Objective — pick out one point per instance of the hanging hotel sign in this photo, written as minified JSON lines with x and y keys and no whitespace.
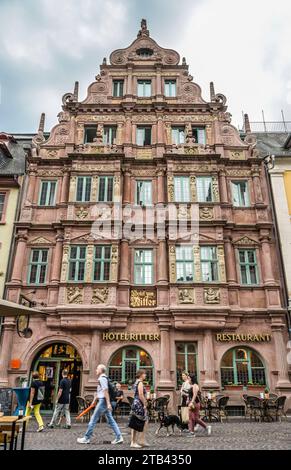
{"x":244,"y":337}
{"x":130,"y":336}
{"x":143,"y":298}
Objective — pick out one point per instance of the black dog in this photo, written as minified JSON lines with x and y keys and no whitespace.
{"x":168,"y":420}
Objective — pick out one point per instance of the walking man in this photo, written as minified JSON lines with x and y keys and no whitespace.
{"x":103,"y":408}
{"x":63,"y":402}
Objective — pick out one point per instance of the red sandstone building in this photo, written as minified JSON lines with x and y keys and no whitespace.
{"x":144,"y":136}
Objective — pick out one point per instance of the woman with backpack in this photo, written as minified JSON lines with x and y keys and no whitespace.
{"x":194,"y":407}
{"x":36,"y":398}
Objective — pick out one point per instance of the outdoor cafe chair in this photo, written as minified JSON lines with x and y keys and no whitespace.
{"x":279,"y":408}
{"x":255,"y":408}
{"x":82,"y":405}
{"x":221,"y":408}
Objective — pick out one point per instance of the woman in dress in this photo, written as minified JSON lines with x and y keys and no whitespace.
{"x":185,"y":389}
{"x":194,"y":407}
{"x":139,"y":409}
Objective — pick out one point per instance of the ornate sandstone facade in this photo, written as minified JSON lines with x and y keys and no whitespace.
{"x":145,"y":136}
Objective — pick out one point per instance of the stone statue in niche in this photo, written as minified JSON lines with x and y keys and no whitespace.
{"x":100,"y":296}
{"x":212,"y":295}
{"x":186,"y":296}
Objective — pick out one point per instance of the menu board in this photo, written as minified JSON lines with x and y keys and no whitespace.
{"x":6,"y":400}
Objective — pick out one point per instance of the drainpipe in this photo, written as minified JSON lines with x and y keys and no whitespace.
{"x":269,"y":161}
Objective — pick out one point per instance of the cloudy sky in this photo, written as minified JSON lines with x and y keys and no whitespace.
{"x":45,"y":45}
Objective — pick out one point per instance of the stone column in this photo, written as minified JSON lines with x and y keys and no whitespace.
{"x":281,"y":357}
{"x":162,"y":262}
{"x":257,"y":186}
{"x":124,"y":262}
{"x":57,"y":260}
{"x":65,"y":187}
{"x":230,"y":261}
{"x":209,"y":366}
{"x":223,"y":187}
{"x":160,"y":139}
{"x":165,"y":354}
{"x":129,"y":81}
{"x":158,"y":82}
{"x":128,"y":136}
{"x":94,"y":355}
{"x":31,"y":187}
{"x":19,"y":258}
{"x":126,"y":186}
{"x":267,"y":269}
{"x":161,"y":187}
{"x":5,"y":351}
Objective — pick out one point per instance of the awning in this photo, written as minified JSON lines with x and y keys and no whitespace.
{"x":11,"y":309}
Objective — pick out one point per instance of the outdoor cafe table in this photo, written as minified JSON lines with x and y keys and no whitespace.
{"x":13,"y":420}
{"x":266,"y":402}
{"x":208,"y":406}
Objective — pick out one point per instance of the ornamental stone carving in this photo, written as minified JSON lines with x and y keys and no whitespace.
{"x":114,"y":264}
{"x":245,"y":241}
{"x":172,"y":263}
{"x":100,"y":295}
{"x":75,"y":295}
{"x":193,"y":190}
{"x":211,"y":295}
{"x":206,"y":213}
{"x":82,"y":213}
{"x":171,"y":190}
{"x":186,"y":296}
{"x":197,"y":263}
{"x":221,"y":263}
{"x":65,"y":263}
{"x":215,"y":189}
{"x":89,"y":263}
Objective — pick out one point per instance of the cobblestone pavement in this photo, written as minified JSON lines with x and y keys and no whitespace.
{"x":234,"y":434}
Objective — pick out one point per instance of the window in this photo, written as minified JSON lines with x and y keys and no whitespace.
{"x":199,"y":135}
{"x":143,"y":267}
{"x":248,"y":266}
{"x":184,"y":264}
{"x":47,"y":193}
{"x":77,"y":263}
{"x":102,"y":263}
{"x":182,"y":189}
{"x":240,"y":195}
{"x":109,"y":135}
{"x":170,"y":88}
{"x":144,"y":88}
{"x":145,"y":52}
{"x":38,"y":266}
{"x":2,"y":204}
{"x":186,"y":360}
{"x":83,"y":189}
{"x":105,"y":193}
{"x":144,"y":193}
{"x":242,"y":366}
{"x":178,"y":135}
{"x":143,"y":135}
{"x":118,"y":88}
{"x":90,"y":134}
{"x":125,"y":363}
{"x":204,"y":188}
{"x":209,"y":268}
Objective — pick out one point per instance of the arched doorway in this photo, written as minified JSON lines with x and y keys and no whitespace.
{"x":242,"y":366}
{"x":126,"y":361}
{"x":50,"y":362}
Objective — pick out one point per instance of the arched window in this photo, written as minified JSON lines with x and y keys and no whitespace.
{"x":126,"y":361}
{"x":242,"y":366}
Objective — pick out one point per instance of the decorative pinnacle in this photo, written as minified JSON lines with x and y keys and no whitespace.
{"x":41,"y":123}
{"x":212,"y":92}
{"x":247,"y":125}
{"x":76,"y":91}
{"x":143,"y":29}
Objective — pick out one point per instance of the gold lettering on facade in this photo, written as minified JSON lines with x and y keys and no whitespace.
{"x":142,"y":298}
{"x":243,"y":337}
{"x":131,"y":337}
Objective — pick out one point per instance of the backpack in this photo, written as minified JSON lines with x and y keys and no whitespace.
{"x":111,"y":390}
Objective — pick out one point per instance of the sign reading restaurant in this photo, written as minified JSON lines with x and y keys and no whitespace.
{"x":130,"y":337}
{"x":244,"y":337}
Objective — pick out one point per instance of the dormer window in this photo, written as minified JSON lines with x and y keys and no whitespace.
{"x":145,"y":52}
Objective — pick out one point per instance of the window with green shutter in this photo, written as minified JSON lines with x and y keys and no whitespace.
{"x":248,"y":266}
{"x":182,"y":189}
{"x":204,"y":189}
{"x":77,"y":263}
{"x":102,"y":259}
{"x":47,"y":193}
{"x":143,"y":266}
{"x":209,"y":263}
{"x":199,"y":135}
{"x":186,"y":360}
{"x":105,"y":192}
{"x":83,"y":188}
{"x":38,"y":266}
{"x":184,"y":263}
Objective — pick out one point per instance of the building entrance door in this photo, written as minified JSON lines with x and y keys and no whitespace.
{"x":50,"y":363}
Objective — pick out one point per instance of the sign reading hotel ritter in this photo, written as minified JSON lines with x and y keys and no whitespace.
{"x":244,"y":337}
{"x":143,"y":298}
{"x":130,"y":336}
